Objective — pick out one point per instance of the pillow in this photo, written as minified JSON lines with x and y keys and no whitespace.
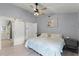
{"x":49,"y":35}
{"x":44,"y":35}
{"x":56,"y":36}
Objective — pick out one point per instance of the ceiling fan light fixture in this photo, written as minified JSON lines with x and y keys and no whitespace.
{"x":34,"y":9}
{"x":36,"y":14}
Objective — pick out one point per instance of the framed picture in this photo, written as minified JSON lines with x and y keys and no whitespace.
{"x":3,"y":27}
{"x":52,"y":23}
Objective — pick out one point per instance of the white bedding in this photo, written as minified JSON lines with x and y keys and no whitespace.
{"x":46,"y":46}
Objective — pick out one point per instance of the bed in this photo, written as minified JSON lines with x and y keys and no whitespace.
{"x":46,"y":45}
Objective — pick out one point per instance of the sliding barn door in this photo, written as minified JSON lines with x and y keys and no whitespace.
{"x":18,"y":30}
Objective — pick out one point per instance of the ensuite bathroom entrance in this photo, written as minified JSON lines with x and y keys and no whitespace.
{"x":6,"y":34}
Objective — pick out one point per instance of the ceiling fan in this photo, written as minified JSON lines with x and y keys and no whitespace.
{"x":38,"y":9}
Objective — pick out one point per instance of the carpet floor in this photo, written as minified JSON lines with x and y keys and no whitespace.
{"x":22,"y":51}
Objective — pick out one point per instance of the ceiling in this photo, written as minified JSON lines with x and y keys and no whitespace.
{"x":52,"y":7}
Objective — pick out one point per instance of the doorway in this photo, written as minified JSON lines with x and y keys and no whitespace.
{"x":6,"y":35}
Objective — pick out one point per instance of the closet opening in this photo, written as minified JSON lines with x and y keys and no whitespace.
{"x":6,"y":35}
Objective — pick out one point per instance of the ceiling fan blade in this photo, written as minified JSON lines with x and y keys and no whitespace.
{"x":37,"y":7}
{"x":43,"y":8}
{"x":41,"y":12}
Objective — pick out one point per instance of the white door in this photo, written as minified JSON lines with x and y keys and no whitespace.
{"x":31,"y":30}
{"x":18,"y":32}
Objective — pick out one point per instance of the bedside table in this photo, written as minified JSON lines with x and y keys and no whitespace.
{"x":71,"y":44}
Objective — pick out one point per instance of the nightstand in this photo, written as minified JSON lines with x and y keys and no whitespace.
{"x":71,"y":44}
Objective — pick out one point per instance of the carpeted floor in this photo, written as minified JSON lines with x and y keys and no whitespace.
{"x":22,"y":51}
{"x":6,"y":43}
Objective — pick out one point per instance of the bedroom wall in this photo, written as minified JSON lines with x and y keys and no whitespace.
{"x":12,"y":10}
{"x":67,"y":24}
{"x":78,"y":26}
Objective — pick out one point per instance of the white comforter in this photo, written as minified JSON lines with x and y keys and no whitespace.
{"x":46,"y":46}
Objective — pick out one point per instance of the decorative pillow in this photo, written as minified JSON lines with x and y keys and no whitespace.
{"x":49,"y":35}
{"x":56,"y":36}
